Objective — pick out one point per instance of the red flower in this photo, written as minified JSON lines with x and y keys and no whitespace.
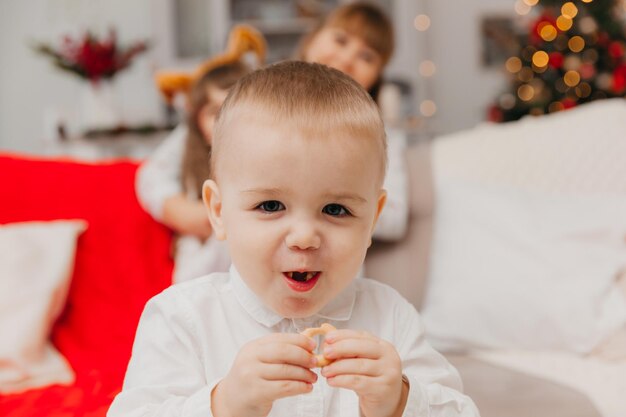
{"x":92,"y":58}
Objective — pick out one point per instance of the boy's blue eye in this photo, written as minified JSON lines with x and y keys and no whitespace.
{"x":271,"y":206}
{"x":335,"y":210}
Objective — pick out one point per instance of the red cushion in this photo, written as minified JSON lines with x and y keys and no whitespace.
{"x":122,"y":260}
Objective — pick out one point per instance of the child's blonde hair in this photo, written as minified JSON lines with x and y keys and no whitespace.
{"x":311,"y":99}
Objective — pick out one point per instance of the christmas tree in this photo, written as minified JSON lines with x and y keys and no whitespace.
{"x":573,"y":53}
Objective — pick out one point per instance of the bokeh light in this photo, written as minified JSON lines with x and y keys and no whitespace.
{"x":560,"y":86}
{"x":569,"y":9}
{"x":513,"y":64}
{"x":548,"y":32}
{"x":587,"y":25}
{"x":540,"y":59}
{"x":555,"y":106}
{"x":428,"y":108}
{"x":507,"y":101}
{"x":576,"y":44}
{"x":572,"y":62}
{"x":525,"y":92}
{"x":571,"y":78}
{"x":522,"y":8}
{"x":525,"y":74}
{"x":564,"y":23}
{"x":583,"y":90}
{"x":422,"y":22}
{"x":427,"y":68}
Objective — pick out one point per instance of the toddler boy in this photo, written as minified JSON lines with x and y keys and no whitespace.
{"x":298,"y":163}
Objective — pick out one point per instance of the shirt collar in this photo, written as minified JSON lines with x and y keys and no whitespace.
{"x":338,"y":309}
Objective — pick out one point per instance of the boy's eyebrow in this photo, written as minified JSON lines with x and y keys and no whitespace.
{"x":346,"y":196}
{"x":270,"y":191}
{"x":330,"y":196}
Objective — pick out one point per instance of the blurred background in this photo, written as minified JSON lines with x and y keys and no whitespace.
{"x":448,"y":72}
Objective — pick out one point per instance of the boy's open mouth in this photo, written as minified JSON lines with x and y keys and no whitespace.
{"x":301,"y":276}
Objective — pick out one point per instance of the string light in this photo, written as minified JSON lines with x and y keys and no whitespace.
{"x":525,"y":74}
{"x":583,"y":90}
{"x":525,"y":92}
{"x":555,"y":106}
{"x":422,"y":22}
{"x":522,"y":8}
{"x":427,"y":68}
{"x":548,"y":32}
{"x":531,"y":2}
{"x":564,"y":23}
{"x":569,"y":9}
{"x":576,"y":44}
{"x":513,"y":64}
{"x":571,"y":78}
{"x":540,"y":59}
{"x":428,"y":108}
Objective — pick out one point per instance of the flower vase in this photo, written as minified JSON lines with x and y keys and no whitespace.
{"x":98,"y":107}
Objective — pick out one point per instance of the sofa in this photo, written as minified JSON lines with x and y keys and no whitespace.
{"x":123,"y":258}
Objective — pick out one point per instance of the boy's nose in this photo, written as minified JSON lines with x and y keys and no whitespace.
{"x":303,"y":236}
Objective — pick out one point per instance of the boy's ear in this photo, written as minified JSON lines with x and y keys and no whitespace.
{"x":382,"y":199}
{"x":213,"y":202}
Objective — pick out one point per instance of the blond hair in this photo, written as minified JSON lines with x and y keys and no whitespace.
{"x":311,"y":99}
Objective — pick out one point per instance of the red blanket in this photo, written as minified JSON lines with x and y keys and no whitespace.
{"x":122,"y":260}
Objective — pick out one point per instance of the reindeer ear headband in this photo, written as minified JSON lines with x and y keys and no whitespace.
{"x":242,"y":39}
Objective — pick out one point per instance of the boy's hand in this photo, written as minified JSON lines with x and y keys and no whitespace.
{"x":266,"y":369}
{"x":369,"y":366}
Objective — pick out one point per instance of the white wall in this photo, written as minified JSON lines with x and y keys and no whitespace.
{"x":30,"y":87}
{"x":462,"y":88}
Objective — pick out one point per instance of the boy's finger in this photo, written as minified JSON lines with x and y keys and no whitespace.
{"x":284,"y":353}
{"x":353,"y":366}
{"x":283,"y":371}
{"x":289,"y":338}
{"x":357,"y":383}
{"x":353,"y":348}
{"x":282,"y":389}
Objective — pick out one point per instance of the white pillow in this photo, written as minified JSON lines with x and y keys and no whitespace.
{"x":36,"y":264}
{"x":515,"y":268}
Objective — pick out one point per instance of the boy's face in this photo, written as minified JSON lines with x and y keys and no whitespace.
{"x":298,"y":213}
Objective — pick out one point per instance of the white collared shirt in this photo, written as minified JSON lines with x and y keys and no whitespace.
{"x":190,"y":334}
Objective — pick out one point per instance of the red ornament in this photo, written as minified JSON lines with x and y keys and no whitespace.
{"x":494,"y":114}
{"x":619,"y":79}
{"x":616,"y":49}
{"x":568,"y":103}
{"x":587,"y":71}
{"x":535,"y":33}
{"x":556,"y":60}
